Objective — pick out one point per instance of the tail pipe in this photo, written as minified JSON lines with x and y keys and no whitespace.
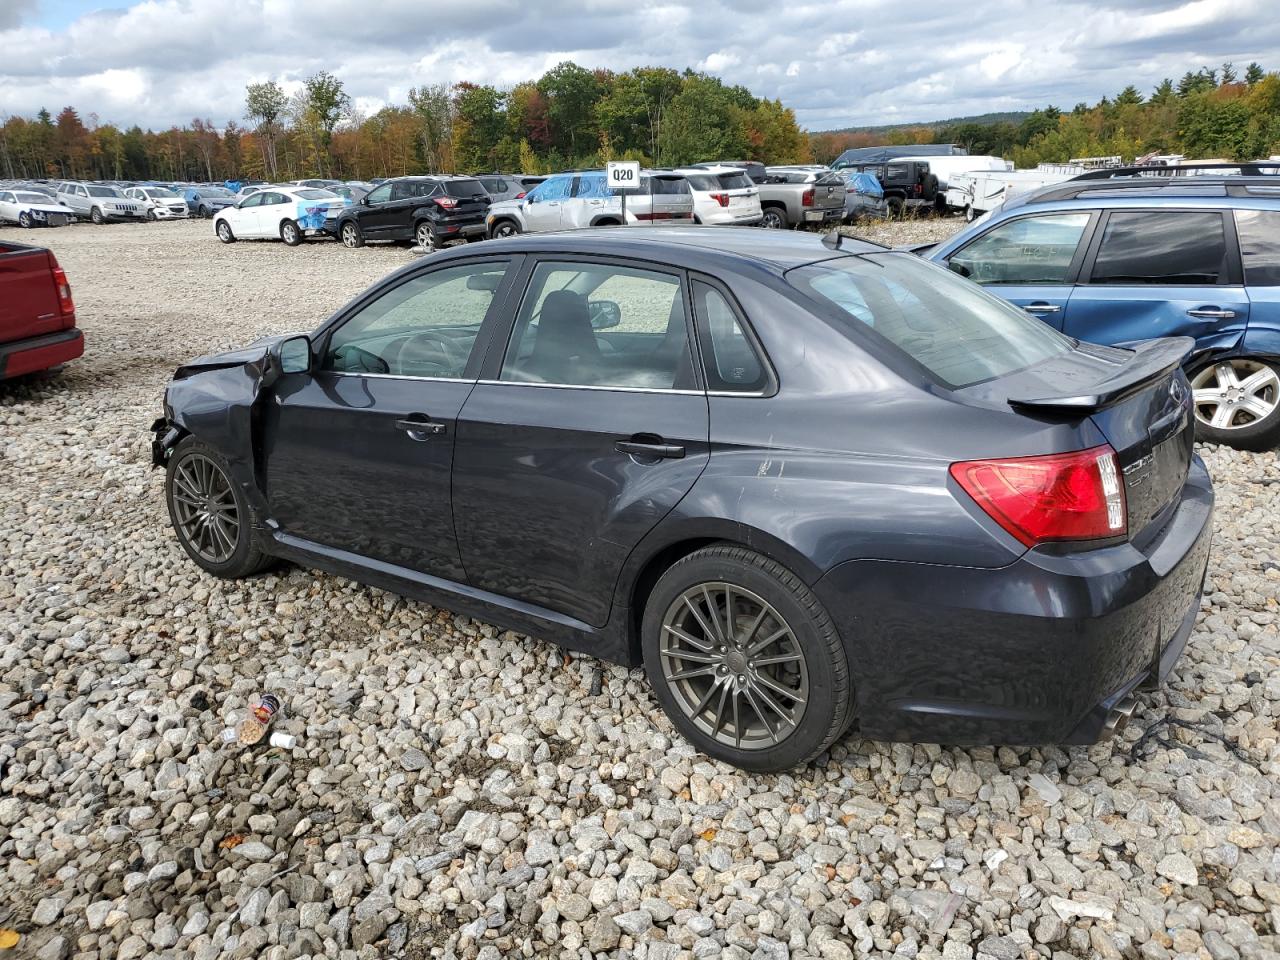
{"x":1118,"y":718}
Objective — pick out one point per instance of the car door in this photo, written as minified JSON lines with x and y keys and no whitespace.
{"x":1032,"y":260}
{"x":580,"y":436}
{"x":359,"y":452}
{"x":543,"y":205}
{"x":246,"y":218}
{"x":1161,"y":273}
{"x":8,"y":208}
{"x":398,"y":213}
{"x":1259,"y":234}
{"x":368,"y":213}
{"x":590,"y":198}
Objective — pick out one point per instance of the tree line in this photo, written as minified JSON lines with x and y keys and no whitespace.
{"x":1207,"y":114}
{"x":570,"y":117}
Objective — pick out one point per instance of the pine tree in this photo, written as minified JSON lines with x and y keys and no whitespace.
{"x":1253,"y":73}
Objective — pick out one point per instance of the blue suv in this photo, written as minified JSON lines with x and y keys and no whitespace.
{"x":1135,"y":257}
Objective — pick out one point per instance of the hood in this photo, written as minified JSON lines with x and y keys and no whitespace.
{"x":255,"y":352}
{"x":48,"y":207}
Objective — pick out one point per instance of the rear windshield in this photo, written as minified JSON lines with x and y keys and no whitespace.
{"x":668,"y":185}
{"x":493,"y":184}
{"x":959,"y":333}
{"x":104,"y":192}
{"x":787,"y":176}
{"x":314,"y":193}
{"x":719,"y":181}
{"x":464,"y":189}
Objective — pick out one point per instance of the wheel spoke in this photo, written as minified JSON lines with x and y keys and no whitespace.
{"x":1257,"y":406}
{"x":777,"y":658}
{"x":769,"y":701}
{"x":706,"y":698}
{"x":791,"y":695}
{"x":751,"y":699}
{"x":719,"y":720}
{"x":693,"y":656}
{"x":1227,"y":375}
{"x":1207,"y":395}
{"x":692,"y":672}
{"x":1259,"y":379}
{"x":1222,"y":417}
{"x":687,"y":638}
{"x":761,"y":644}
{"x":737,"y":723}
{"x":711,"y":612}
{"x":707,"y":632}
{"x":728,"y":612}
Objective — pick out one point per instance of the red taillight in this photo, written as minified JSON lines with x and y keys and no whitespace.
{"x":65,"y":304}
{"x":521,"y":194}
{"x":721,"y":198}
{"x":806,"y":198}
{"x":447,"y":202}
{"x":1063,"y":496}
{"x":917,"y":189}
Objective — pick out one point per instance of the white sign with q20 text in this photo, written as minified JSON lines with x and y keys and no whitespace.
{"x":622,"y":174}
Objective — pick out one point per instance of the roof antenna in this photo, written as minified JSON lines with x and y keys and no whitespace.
{"x":831,"y":240}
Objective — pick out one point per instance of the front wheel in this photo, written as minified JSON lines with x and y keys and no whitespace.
{"x":1237,"y":403}
{"x":224,"y":232}
{"x":96,"y":215}
{"x":290,"y":233}
{"x":425,"y":237}
{"x":505,"y":229}
{"x":151,"y":215}
{"x":25,"y":221}
{"x":773,"y":219}
{"x":351,"y":235}
{"x":745,"y":661}
{"x":209,"y":512}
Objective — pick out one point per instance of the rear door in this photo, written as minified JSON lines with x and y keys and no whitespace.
{"x":1259,"y":235}
{"x":1161,"y":273}
{"x":358,"y":453}
{"x":543,"y":204}
{"x":580,"y":437}
{"x":1031,"y":261}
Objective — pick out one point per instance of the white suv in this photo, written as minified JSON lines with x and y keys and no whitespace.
{"x":100,"y":202}
{"x":160,"y":203}
{"x":723,"y":195}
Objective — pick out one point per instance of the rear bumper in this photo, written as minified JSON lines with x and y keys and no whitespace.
{"x":40,"y":353}
{"x":448,"y":229}
{"x":823,"y":215}
{"x":1038,"y":651}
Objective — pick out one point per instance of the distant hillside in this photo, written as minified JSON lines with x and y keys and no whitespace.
{"x":982,"y":119}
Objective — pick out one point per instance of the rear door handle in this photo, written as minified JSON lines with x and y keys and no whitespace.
{"x":1042,"y":308}
{"x":640,"y":448}
{"x":422,"y":428}
{"x":1212,"y":313}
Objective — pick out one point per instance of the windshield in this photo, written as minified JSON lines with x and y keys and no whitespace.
{"x":956,"y":331}
{"x":215,"y":192}
{"x":104,"y":192}
{"x":32,"y":198}
{"x":162,"y":192}
{"x":315,"y":193}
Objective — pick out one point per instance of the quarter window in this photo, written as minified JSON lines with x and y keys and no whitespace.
{"x":1026,"y":250}
{"x":599,"y":325}
{"x":1172,"y":247}
{"x":728,"y":356}
{"x":1259,"y":232}
{"x":425,"y":327}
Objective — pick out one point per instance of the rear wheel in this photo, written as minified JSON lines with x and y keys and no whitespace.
{"x":209,"y":512}
{"x":425,"y":237}
{"x":970,"y":214}
{"x":745,"y":661}
{"x":290,"y":233}
{"x":224,"y":232}
{"x":1237,"y":403}
{"x":773,"y":219}
{"x":206,"y":212}
{"x":896,"y":208}
{"x":352,"y":237}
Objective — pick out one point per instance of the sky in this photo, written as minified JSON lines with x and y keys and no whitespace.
{"x":836,"y":62}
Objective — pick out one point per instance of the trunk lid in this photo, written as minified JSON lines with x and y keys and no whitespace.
{"x":470,"y":197}
{"x":1141,"y":402}
{"x":28,"y":295}
{"x":828,"y":192}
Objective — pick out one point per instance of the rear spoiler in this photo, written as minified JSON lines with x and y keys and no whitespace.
{"x":1151,"y":360}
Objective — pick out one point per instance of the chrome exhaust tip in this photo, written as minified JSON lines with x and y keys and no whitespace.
{"x":1118,"y":717}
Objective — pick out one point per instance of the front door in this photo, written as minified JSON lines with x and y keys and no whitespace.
{"x":1030,"y":261}
{"x":580,"y":438}
{"x":1162,"y":273}
{"x":359,"y":452}
{"x":374,"y":213}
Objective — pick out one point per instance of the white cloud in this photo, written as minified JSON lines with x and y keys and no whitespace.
{"x":838,"y":62}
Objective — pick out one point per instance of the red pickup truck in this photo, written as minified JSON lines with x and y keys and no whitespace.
{"x":37,"y":315}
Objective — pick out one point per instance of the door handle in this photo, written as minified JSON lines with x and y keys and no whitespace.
{"x":421,"y":429}
{"x":1042,"y":308}
{"x":1212,"y":313}
{"x":642,"y":448}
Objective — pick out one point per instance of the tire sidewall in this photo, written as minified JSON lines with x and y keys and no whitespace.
{"x":824,"y":701}
{"x":1258,"y":436}
{"x":773,"y":219}
{"x":25,"y":221}
{"x":222,"y":227}
{"x":357,"y":238}
{"x":285,"y":233}
{"x":425,"y":237}
{"x":245,"y":557}
{"x":95,"y":215}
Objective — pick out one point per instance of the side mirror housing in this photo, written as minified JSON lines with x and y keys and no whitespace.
{"x":605,"y":314}
{"x":293,"y":355}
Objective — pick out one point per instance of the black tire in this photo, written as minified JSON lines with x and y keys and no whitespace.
{"x":774,"y":218}
{"x":504,"y":228}
{"x":425,"y":237}
{"x":25,"y":221}
{"x":897,"y":208}
{"x":224,"y":232}
{"x":828,"y":702}
{"x":1259,"y":435}
{"x":970,"y":214}
{"x":151,"y":214}
{"x":245,"y":559}
{"x":351,"y":235}
{"x":291,"y":233}
{"x":96,"y":216}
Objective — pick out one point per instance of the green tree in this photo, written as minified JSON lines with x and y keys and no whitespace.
{"x":478,"y":124}
{"x":704,"y":123}
{"x":1129,"y":96}
{"x":1164,"y":92}
{"x":571,"y":93}
{"x":1253,"y":73}
{"x":1227,"y":73}
{"x":433,"y":106}
{"x":265,"y":104}
{"x":327,"y":102}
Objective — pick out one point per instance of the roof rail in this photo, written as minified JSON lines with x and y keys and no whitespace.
{"x":1246,"y":168}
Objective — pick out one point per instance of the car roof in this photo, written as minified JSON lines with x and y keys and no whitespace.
{"x":703,"y":248}
{"x":1164,"y":188}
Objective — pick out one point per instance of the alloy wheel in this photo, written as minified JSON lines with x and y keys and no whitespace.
{"x":350,"y":238}
{"x":426,"y":239}
{"x":224,"y":232}
{"x":734,"y":665}
{"x":24,"y":219}
{"x":505,"y":229}
{"x":773,"y":220}
{"x":204,"y":508}
{"x":1235,"y":393}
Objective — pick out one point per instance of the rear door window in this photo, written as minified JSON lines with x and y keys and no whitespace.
{"x":1166,"y":247}
{"x":1259,"y":232}
{"x":1023,"y":251}
{"x":591,"y":188}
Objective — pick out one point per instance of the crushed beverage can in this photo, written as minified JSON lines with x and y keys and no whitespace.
{"x":265,"y":709}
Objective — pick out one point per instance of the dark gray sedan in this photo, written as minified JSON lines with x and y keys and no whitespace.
{"x":807,"y":484}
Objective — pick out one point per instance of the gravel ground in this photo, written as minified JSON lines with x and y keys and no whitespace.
{"x":457,"y":790}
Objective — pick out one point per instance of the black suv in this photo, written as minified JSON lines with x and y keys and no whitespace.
{"x":906,"y":183}
{"x":428,"y":210}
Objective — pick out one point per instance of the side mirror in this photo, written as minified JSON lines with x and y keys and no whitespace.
{"x":530,"y":198}
{"x":488,"y":282}
{"x":364,"y":201}
{"x":293,"y":355}
{"x":604,"y":314}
